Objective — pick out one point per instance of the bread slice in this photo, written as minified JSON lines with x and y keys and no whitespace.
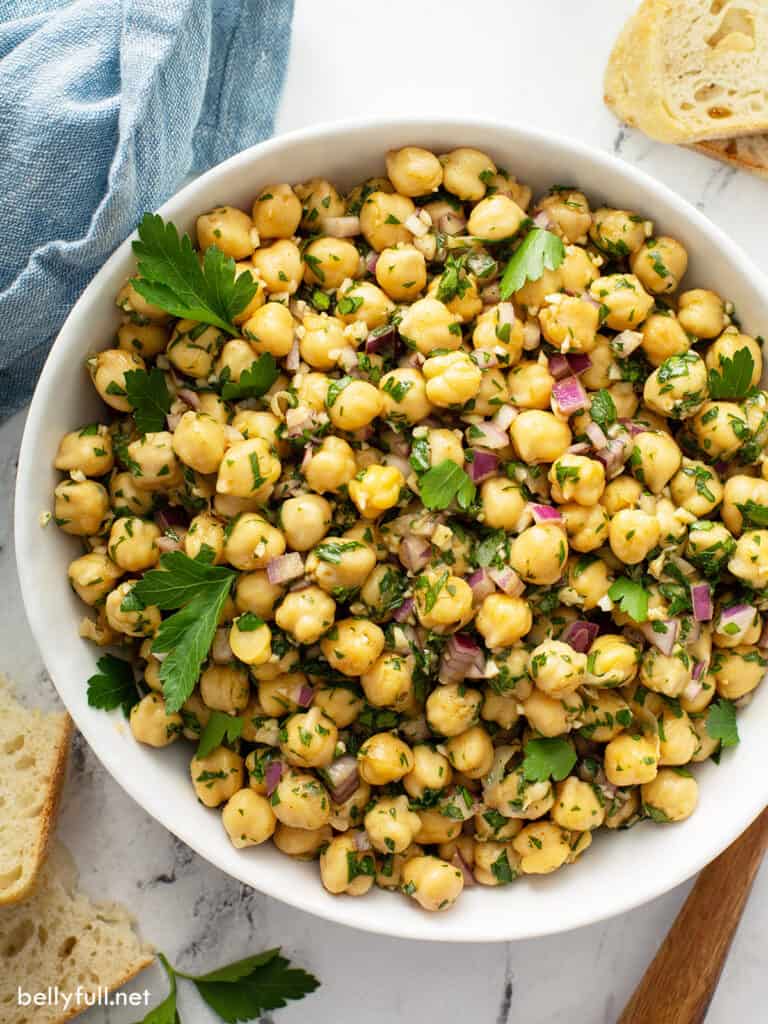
{"x":33,"y":757}
{"x":692,"y":70}
{"x":746,"y":152}
{"x":59,"y":938}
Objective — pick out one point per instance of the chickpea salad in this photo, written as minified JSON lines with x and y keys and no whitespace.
{"x":434,"y":517}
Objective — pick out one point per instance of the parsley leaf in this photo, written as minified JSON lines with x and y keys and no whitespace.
{"x":149,"y":398}
{"x":444,"y":482}
{"x":721,"y":723}
{"x":632,"y":596}
{"x":268,"y":986}
{"x":420,"y":454}
{"x":220,"y":727}
{"x":113,"y":685}
{"x":734,"y":379}
{"x":539,"y":250}
{"x":502,"y":871}
{"x":166,"y":1012}
{"x":332,"y":550}
{"x":255,"y":381}
{"x":753,"y":513}
{"x":548,"y":757}
{"x":171,"y":277}
{"x":199,"y":590}
{"x":603,"y":408}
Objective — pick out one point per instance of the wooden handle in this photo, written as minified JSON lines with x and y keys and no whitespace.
{"x":678,"y":986}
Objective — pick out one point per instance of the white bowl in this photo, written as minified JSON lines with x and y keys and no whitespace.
{"x":621,"y":870}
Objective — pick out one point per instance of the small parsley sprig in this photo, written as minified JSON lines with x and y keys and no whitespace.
{"x":240,"y":991}
{"x":198,"y":590}
{"x":442,"y":483}
{"x":149,"y":397}
{"x":548,"y":758}
{"x":220,"y":727}
{"x":172,"y":277}
{"x":539,"y":250}
{"x":113,"y":685}
{"x":631,"y":596}
{"x":721,"y":722}
{"x":734,"y":378}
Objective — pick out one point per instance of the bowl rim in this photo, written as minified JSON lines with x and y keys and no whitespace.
{"x":26,"y":527}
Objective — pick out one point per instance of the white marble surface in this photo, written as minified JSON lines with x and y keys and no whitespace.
{"x":536,"y":63}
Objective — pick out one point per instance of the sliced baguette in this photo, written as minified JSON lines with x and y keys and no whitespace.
{"x":59,"y":938}
{"x":692,"y":70}
{"x":747,"y":152}
{"x":33,"y":758}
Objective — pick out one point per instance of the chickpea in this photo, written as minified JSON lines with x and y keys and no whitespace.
{"x":330,"y":261}
{"x":569,"y":214}
{"x":310,"y":739}
{"x":92,"y":576}
{"x":278,"y":694}
{"x":331,"y":466}
{"x":577,"y":478}
{"x":445,"y":445}
{"x":301,"y":801}
{"x":452,"y":379}
{"x":279,"y":266}
{"x":539,"y":436}
{"x":132,"y":622}
{"x":81,"y":508}
{"x":604,"y":715}
{"x":617,"y":232}
{"x":632,"y":534}
{"x":205,"y":531}
{"x":320,"y":199}
{"x":248,"y":819}
{"x":390,"y":825}
{"x":414,"y":171}
{"x":108,"y":369}
{"x":530,"y":387}
{"x":382,"y":220}
{"x":305,"y":520}
{"x":247,"y":468}
{"x":727,"y":345}
{"x":621,"y":492}
{"x":133,"y":544}
{"x":631,"y":760}
{"x":532,"y":296}
{"x":612,"y":661}
{"x":663,"y":336}
{"x":388,"y":682}
{"x":738,"y":490}
{"x":542,"y":848}
{"x":199,"y":442}
{"x":539,"y":553}
{"x":270,"y":329}
{"x":577,"y":272}
{"x":696,"y":488}
{"x":443,"y":602}
{"x":225,"y":688}
{"x":586,"y":527}
{"x":433,"y":883}
{"x":276,"y":212}
{"x":654,"y":459}
{"x":356,"y":405}
{"x":301,"y":843}
{"x":660,"y":264}
{"x":503,"y":503}
{"x":495,"y":218}
{"x":401,"y":272}
{"x":376,"y":489}
{"x":431,"y":772}
{"x":701,"y":313}
{"x":670,"y":796}
{"x":496,"y":863}
{"x":88,"y":451}
{"x":147,"y":340}
{"x":217,"y":777}
{"x":464,"y":171}
{"x":384,"y":758}
{"x":738,"y":671}
{"x":666,"y":673}
{"x":322,"y":342}
{"x":136,"y":306}
{"x":251,"y":639}
{"x":504,"y":338}
{"x":471,"y":752}
{"x":453,"y":709}
{"x":352,"y":646}
{"x":556,"y":668}
{"x":570,"y":324}
{"x":728,"y":633}
{"x":678,"y":387}
{"x":546,"y":715}
{"x":345,"y":870}
{"x":229,"y":229}
{"x":340,"y":564}
{"x":428,"y":324}
{"x":152,"y":724}
{"x":720,"y":428}
{"x":625,"y":299}
{"x":306,"y":614}
{"x":749,"y":561}
{"x":502,"y":620}
{"x":576,"y":806}
{"x":678,"y":739}
{"x":404,"y":396}
{"x":340,"y":704}
{"x":501,"y":708}
{"x":252,"y":542}
{"x":154,"y":465}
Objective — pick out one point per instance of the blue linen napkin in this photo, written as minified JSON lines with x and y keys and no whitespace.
{"x":105,"y":106}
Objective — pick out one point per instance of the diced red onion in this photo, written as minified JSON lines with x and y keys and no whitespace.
{"x":558,"y":366}
{"x":301,"y":584}
{"x":545,"y":513}
{"x":458,"y":862}
{"x":596,"y":435}
{"x":371,"y":260}
{"x":381,"y":338}
{"x":612,"y":457}
{"x":488,"y":435}
{"x":484,"y":358}
{"x":506,"y":313}
{"x":459,"y":653}
{"x":482,"y":585}
{"x":531,"y":335}
{"x":698,"y":669}
{"x":579,"y":448}
{"x":307,"y":457}
{"x":362,"y":841}
{"x":401,"y":614}
{"x":579,"y":362}
{"x":293,"y":358}
{"x":306,"y":696}
{"x":626,"y":342}
{"x":694,"y":631}
{"x":272,"y":775}
{"x":451,"y":224}
{"x":506,"y":579}
{"x":414,"y":552}
{"x":692,"y":690}
{"x":586,"y":297}
{"x":701,"y":600}
{"x":399,"y":462}
{"x":632,"y":427}
{"x":342,"y":778}
{"x":580,"y":635}
{"x":664,"y":641}
{"x":569,"y":396}
{"x":221,"y":652}
{"x":341,"y":227}
{"x":543,"y":220}
{"x":298,"y":420}
{"x":739,"y":619}
{"x":505,"y":416}
{"x":167,"y":543}
{"x":483,"y":465}
{"x":189,"y":397}
{"x":285,"y":568}
{"x":170,"y":517}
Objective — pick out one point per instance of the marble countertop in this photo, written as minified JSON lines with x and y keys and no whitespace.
{"x":534,"y":63}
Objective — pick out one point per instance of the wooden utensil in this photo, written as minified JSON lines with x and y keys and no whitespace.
{"x":678,"y":986}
